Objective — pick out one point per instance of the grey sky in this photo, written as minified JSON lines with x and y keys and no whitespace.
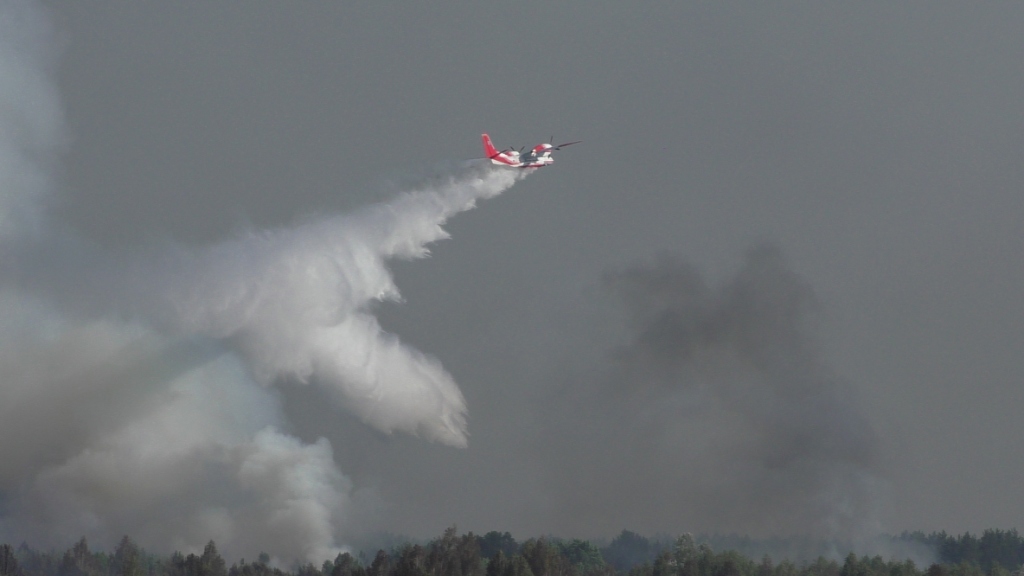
{"x":878,"y":146}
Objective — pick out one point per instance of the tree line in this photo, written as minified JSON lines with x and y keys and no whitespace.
{"x":994,"y":553}
{"x":993,"y":549}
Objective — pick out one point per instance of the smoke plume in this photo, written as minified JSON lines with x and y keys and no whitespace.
{"x":719,"y":411}
{"x":137,"y":392}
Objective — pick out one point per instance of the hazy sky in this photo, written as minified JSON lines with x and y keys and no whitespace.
{"x":777,"y":288}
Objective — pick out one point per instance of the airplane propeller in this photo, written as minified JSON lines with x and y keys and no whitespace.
{"x":559,"y":146}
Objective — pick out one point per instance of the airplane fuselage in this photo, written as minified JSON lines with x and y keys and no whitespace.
{"x":538,"y":156}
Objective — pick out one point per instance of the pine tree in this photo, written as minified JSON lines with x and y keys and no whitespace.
{"x":8,"y":563}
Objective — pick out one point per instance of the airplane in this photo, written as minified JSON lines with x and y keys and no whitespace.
{"x":538,"y":156}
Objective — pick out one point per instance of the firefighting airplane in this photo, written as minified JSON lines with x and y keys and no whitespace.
{"x":538,"y":156}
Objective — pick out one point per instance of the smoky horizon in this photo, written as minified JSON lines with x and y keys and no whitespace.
{"x":258,"y":284}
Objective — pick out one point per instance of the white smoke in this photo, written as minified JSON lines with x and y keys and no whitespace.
{"x":136,"y":395}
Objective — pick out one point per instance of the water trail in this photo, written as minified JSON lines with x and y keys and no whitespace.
{"x":137,"y":392}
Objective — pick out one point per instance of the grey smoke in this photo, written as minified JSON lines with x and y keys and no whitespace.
{"x":720,"y":408}
{"x":31,"y":121}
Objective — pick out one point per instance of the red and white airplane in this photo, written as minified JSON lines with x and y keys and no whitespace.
{"x":538,"y":156}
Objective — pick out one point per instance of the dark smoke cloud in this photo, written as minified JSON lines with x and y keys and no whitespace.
{"x":719,"y":413}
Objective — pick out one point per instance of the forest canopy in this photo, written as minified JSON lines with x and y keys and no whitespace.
{"x":993,"y":553}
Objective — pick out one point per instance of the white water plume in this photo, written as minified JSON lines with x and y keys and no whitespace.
{"x":294,"y":302}
{"x":137,"y":394}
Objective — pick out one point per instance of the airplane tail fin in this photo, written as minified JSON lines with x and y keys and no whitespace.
{"x":489,"y":150}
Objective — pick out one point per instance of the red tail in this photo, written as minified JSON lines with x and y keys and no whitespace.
{"x":489,"y":150}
